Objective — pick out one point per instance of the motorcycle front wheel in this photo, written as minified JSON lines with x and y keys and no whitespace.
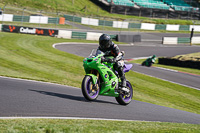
{"x":89,"y":91}
{"x":125,"y":99}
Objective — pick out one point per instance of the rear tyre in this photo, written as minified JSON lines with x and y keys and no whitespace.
{"x":143,"y":63}
{"x":88,"y":90}
{"x":125,"y":99}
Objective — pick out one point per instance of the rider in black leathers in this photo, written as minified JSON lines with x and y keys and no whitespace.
{"x":110,"y":49}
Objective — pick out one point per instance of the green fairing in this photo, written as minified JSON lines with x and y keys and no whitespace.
{"x":106,"y":72}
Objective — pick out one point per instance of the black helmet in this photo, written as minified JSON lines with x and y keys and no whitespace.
{"x":105,"y":41}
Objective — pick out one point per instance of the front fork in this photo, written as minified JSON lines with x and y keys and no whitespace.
{"x":95,"y":79}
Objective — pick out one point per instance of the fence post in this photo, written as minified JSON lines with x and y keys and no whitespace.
{"x":4,"y":9}
{"x":40,"y":17}
{"x":73,"y":23}
{"x":23,"y":16}
{"x":103,"y":23}
{"x":57,"y":19}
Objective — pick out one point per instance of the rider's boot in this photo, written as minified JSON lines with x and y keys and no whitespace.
{"x":123,"y":79}
{"x":123,"y":86}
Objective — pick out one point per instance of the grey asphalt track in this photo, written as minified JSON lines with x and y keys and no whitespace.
{"x":145,"y":51}
{"x":29,"y":98}
{"x":33,"y":99}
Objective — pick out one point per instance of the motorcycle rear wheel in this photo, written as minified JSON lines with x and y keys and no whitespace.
{"x":125,"y":99}
{"x":88,"y":91}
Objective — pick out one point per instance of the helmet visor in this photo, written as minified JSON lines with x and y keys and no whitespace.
{"x":105,"y":44}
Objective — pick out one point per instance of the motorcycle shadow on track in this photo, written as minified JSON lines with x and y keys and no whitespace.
{"x":70,"y":97}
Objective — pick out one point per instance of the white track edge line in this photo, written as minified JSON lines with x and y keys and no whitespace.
{"x":35,"y":81}
{"x":170,"y":81}
{"x":72,"y":118}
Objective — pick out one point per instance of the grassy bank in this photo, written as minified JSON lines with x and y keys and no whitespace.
{"x":192,"y":56}
{"x":33,"y":57}
{"x":92,"y":126}
{"x":80,"y":8}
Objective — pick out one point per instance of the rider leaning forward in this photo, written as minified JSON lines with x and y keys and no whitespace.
{"x":110,"y":49}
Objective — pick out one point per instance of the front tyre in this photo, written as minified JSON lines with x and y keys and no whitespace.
{"x":125,"y":99}
{"x":90,"y":92}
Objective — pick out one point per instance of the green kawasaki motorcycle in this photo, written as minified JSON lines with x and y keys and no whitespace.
{"x":102,"y":79}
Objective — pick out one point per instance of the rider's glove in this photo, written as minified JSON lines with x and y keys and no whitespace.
{"x":111,"y":60}
{"x":103,"y":59}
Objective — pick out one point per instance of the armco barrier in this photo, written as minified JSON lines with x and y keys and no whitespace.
{"x":93,"y":36}
{"x":79,"y":35}
{"x":6,"y":17}
{"x":184,"y":28}
{"x":120,"y":24}
{"x":147,"y":26}
{"x":97,"y":22}
{"x":90,"y":21}
{"x":196,"y":27}
{"x":170,"y":40}
{"x":172,"y":27}
{"x":185,"y":40}
{"x":53,"y":20}
{"x":123,"y":24}
{"x":38,"y":19}
{"x":160,"y":27}
{"x":195,"y":40}
{"x":176,"y":40}
{"x":134,"y":25}
{"x":106,"y":23}
{"x":21,"y":18}
{"x":64,"y":34}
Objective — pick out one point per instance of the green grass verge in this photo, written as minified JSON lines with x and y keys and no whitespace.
{"x":182,"y":69}
{"x":33,"y":57}
{"x":92,"y":126}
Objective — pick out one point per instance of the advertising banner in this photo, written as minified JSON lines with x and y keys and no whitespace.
{"x":29,"y":30}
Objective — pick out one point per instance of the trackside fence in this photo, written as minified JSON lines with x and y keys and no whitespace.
{"x":39,"y":17}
